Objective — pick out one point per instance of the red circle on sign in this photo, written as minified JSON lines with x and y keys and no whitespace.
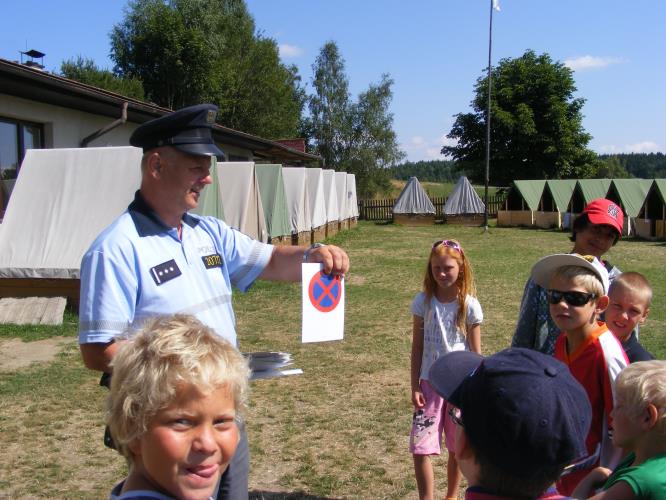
{"x":325,"y":291}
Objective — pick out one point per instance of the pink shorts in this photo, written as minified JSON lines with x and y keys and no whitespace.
{"x":429,"y":423}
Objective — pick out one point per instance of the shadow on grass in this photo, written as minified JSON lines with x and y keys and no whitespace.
{"x":297,"y":495}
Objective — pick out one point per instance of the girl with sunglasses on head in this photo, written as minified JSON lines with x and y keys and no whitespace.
{"x":594,"y":232}
{"x":446,"y":317}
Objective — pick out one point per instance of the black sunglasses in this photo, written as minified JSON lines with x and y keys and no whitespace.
{"x":575,"y":299}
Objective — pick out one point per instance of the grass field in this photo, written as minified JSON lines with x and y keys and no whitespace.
{"x":341,"y":429}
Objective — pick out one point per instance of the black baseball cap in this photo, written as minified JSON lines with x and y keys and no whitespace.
{"x":522,"y":409}
{"x":188,"y":130}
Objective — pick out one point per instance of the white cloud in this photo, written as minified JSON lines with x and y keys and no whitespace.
{"x":591,"y":62}
{"x":420,"y":148}
{"x":287,"y":50}
{"x":639,"y":147}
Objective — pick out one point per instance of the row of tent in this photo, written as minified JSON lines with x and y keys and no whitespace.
{"x":555,"y":203}
{"x":63,"y":198}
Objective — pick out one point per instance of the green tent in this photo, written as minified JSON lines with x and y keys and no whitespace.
{"x":655,"y":201}
{"x":271,"y":189}
{"x":557,"y":195}
{"x":528,"y":191}
{"x":587,"y":190}
{"x":210,"y":202}
{"x":629,"y":194}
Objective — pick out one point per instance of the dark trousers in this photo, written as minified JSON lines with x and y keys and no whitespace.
{"x":234,"y":481}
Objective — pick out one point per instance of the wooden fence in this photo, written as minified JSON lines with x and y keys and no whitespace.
{"x":383,"y":209}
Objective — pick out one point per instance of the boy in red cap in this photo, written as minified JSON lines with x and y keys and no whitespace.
{"x":594,"y":232}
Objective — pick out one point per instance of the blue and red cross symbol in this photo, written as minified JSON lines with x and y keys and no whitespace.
{"x":325,"y":291}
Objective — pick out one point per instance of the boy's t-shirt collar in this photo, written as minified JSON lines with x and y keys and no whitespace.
{"x":592,"y":337}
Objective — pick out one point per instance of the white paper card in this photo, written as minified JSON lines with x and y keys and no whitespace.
{"x":323,"y":305}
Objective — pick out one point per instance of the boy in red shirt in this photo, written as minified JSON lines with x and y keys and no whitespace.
{"x":577,"y":288}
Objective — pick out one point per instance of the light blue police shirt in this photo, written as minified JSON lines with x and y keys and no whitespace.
{"x":138,"y":268}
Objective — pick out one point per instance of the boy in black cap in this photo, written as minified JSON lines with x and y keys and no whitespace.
{"x":522,"y":421}
{"x":157,"y":259}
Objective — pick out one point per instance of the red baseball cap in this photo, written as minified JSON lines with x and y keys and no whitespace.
{"x":603,"y":211}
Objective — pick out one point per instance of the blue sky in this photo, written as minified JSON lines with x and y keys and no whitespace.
{"x":433,"y":50}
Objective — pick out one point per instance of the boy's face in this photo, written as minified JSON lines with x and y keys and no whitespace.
{"x":595,"y":239}
{"x":626,"y":309}
{"x":188,"y":445}
{"x":627,"y":426}
{"x":569,"y":317}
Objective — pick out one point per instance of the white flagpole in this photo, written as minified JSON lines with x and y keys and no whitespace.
{"x":493,"y":4}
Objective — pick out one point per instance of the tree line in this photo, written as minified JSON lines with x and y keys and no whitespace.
{"x":180,"y":52}
{"x":176,"y":53}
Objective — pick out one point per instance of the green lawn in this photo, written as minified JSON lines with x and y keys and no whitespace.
{"x":340,"y":429}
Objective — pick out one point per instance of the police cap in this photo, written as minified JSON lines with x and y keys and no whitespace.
{"x":188,"y":130}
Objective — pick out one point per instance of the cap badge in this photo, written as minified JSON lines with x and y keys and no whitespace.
{"x":210,"y":117}
{"x":613,"y":211}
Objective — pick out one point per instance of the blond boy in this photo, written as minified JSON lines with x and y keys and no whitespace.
{"x":629,"y":298}
{"x":177,"y":394}
{"x":639,"y":420}
{"x":576,"y":288}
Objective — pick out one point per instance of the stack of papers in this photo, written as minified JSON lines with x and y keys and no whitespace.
{"x":269,"y":364}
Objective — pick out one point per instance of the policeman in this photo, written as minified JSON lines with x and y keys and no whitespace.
{"x":156,"y":258}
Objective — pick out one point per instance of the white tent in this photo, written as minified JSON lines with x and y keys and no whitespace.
{"x":316,"y":198}
{"x":463,"y":200}
{"x":413,"y":200}
{"x":295,"y":188}
{"x":62,"y":199}
{"x":352,"y":202}
{"x":331,"y":196}
{"x":241,"y":200}
{"x":341,"y":188}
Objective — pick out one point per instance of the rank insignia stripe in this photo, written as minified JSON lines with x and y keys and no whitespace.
{"x":164,"y":272}
{"x":212,"y":261}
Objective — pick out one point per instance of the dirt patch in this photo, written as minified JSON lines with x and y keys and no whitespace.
{"x":16,"y":354}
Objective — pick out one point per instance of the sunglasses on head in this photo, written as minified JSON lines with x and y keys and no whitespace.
{"x":575,"y":299}
{"x":448,"y":243}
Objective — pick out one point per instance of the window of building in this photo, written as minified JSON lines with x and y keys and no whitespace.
{"x":15,"y":138}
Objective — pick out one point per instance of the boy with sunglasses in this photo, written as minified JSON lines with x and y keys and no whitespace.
{"x":576,"y":288}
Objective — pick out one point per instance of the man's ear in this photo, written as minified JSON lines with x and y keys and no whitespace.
{"x":154,"y":165}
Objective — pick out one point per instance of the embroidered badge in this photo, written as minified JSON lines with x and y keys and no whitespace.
{"x":613,"y":211}
{"x":210,"y":117}
{"x":211,"y":261}
{"x":164,"y":272}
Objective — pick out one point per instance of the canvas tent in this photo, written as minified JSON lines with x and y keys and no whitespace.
{"x":63,"y":198}
{"x":352,"y":202}
{"x":630,"y":195}
{"x":343,"y":209}
{"x":317,"y":200}
{"x":413,"y":206}
{"x":463,"y":206}
{"x":554,"y":203}
{"x":295,"y":188}
{"x":521,"y":203}
{"x":331,"y":200}
{"x":240,"y":196}
{"x":651,"y":220}
{"x":274,"y":200}
{"x":587,"y":190}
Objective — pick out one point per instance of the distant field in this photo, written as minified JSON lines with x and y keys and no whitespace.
{"x":437,"y":189}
